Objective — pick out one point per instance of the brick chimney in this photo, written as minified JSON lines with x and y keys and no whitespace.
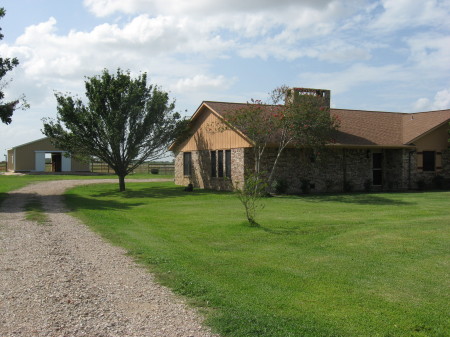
{"x":296,"y":94}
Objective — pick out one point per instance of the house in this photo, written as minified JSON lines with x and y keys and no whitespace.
{"x":31,"y":157}
{"x":373,"y":150}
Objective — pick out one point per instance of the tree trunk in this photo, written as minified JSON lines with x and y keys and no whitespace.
{"x":121,"y":183}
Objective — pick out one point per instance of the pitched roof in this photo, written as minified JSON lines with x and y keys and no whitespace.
{"x":32,"y":142}
{"x":358,"y":127}
{"x":416,"y":125}
{"x":367,"y":128}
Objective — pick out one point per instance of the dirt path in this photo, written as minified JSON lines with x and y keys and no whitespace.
{"x":61,"y":279}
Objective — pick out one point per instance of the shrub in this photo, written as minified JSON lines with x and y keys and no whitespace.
{"x":280,"y":186}
{"x":391,"y":184}
{"x":348,"y":186}
{"x":305,"y":186}
{"x":368,"y":185}
{"x":421,"y":185}
{"x":250,"y":195}
{"x":439,"y":182}
{"x":329,"y":185}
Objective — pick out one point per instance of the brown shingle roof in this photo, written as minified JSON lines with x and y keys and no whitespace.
{"x":358,"y":127}
{"x":419,"y":124}
{"x":368,"y":128}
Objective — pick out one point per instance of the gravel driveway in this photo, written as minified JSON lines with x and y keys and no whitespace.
{"x":61,"y":279}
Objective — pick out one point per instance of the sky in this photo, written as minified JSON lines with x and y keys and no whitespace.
{"x":382,"y":55}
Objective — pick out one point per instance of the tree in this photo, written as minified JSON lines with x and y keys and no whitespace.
{"x":303,"y":122}
{"x":124,"y":123}
{"x":7,"y":64}
{"x":250,"y":194}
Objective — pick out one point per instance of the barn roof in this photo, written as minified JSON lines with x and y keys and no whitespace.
{"x":32,"y":142}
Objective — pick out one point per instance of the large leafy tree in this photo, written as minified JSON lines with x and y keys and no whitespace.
{"x":124,"y":122}
{"x":7,"y":64}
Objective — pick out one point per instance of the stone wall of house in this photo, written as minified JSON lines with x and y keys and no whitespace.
{"x":427,"y":180}
{"x":393,"y":169}
{"x":334,"y":170}
{"x":446,"y":163}
{"x":337,"y":170}
{"x":201,"y":171}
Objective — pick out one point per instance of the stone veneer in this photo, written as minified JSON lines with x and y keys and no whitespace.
{"x":334,"y":170}
{"x":427,"y":178}
{"x":201,"y":171}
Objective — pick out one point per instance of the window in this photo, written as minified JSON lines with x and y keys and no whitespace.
{"x":377,"y":172}
{"x":213,"y":164}
{"x":228,"y":163}
{"x":218,"y":169}
{"x":429,"y":160}
{"x":220,"y":163}
{"x":187,"y":163}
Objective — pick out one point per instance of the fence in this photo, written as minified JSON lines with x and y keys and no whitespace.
{"x":147,"y":168}
{"x":100,"y":167}
{"x":4,"y":166}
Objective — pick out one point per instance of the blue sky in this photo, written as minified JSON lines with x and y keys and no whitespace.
{"x":388,"y":55}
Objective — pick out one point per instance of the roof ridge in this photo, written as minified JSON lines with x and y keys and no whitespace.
{"x":387,"y":112}
{"x":424,"y":112}
{"x":345,"y":109}
{"x":241,"y":103}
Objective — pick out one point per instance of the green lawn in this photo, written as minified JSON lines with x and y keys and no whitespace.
{"x":329,"y":265}
{"x":10,"y":182}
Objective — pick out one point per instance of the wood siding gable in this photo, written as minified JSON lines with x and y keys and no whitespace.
{"x":210,"y":132}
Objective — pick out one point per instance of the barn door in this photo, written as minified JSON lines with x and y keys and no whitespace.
{"x":66,"y":163}
{"x":39,"y":161}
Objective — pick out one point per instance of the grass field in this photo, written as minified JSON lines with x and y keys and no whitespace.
{"x":328,"y":265}
{"x":13,"y":182}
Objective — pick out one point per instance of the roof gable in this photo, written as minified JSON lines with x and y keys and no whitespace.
{"x":416,"y":125}
{"x":32,"y":142}
{"x":210,"y":130}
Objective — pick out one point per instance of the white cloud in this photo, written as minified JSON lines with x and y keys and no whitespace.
{"x":430,"y":51}
{"x":250,"y":18}
{"x":335,"y":51}
{"x":356,"y":75}
{"x":422,"y":104}
{"x":399,"y":14}
{"x":145,"y":43}
{"x":441,"y":101}
{"x":197,"y":7}
{"x":199,"y":82}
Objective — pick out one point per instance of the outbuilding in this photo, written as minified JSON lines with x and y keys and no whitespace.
{"x":32,"y":157}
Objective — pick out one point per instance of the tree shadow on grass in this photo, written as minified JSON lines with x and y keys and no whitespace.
{"x":306,"y":229}
{"x":2,"y":197}
{"x":16,"y":202}
{"x":297,"y":230}
{"x":355,"y":198}
{"x":158,"y":192}
{"x":75,"y":202}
